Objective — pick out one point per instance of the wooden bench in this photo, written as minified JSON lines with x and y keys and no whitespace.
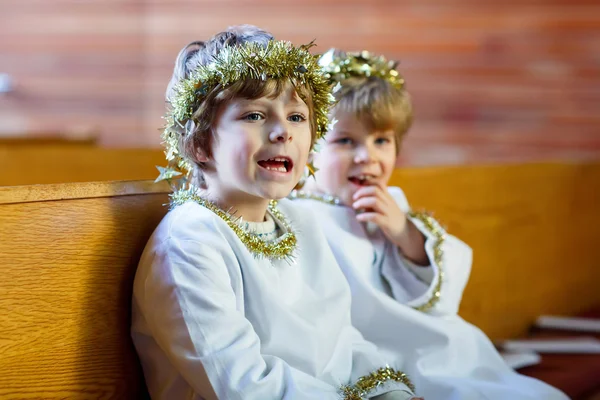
{"x":67,"y":162}
{"x":534,"y":230}
{"x":68,"y":254}
{"x":37,"y":139}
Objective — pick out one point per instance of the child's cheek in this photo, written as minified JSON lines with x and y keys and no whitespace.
{"x":339,"y":169}
{"x":245,"y":149}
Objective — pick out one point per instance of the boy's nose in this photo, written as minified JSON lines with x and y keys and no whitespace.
{"x":363,"y":155}
{"x":280,"y":134}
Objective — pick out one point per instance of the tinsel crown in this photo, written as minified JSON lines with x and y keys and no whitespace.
{"x":360,"y":64}
{"x":279,"y":60}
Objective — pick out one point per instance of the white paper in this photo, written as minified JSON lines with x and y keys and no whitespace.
{"x":569,"y":323}
{"x":517,"y":360}
{"x":579,"y":345}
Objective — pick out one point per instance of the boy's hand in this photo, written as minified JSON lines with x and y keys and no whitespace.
{"x":375,"y":204}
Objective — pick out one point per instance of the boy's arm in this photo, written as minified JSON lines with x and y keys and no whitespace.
{"x":448,"y":262}
{"x":192,"y":313}
{"x":412,"y":244}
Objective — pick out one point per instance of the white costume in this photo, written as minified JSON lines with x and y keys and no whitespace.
{"x":410,"y":311}
{"x":211,"y":320}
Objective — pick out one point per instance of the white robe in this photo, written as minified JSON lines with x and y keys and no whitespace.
{"x":446,"y":357}
{"x":210,"y":320}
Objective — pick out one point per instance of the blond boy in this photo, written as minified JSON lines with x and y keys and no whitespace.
{"x":407,"y":274}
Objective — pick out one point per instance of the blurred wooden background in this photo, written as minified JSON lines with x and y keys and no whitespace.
{"x":492,"y":81}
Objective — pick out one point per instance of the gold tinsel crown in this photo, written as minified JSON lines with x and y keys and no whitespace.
{"x":338,"y":68}
{"x":277,"y":60}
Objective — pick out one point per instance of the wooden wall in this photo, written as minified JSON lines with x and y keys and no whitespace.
{"x":492,"y":81}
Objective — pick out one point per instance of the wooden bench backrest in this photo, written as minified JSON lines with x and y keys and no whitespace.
{"x":61,"y":163}
{"x":49,"y":138}
{"x":68,"y":255}
{"x":534,"y":230}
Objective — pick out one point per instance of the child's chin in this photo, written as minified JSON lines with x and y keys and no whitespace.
{"x":344,"y":196}
{"x":279,"y":192}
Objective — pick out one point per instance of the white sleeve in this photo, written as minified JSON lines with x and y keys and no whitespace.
{"x":450,"y":263}
{"x":193,"y":314}
{"x":368,"y":365}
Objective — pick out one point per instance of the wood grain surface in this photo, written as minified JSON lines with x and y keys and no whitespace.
{"x":534,"y":230}
{"x":44,"y":164}
{"x":67,"y":270}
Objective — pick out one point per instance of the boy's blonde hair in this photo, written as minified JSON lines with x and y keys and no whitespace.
{"x":200,"y":134}
{"x":376,"y":101}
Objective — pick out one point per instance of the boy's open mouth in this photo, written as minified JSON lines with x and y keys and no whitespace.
{"x":363,"y":180}
{"x":279,"y":164}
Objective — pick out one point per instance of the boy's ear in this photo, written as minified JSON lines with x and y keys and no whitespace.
{"x":201,"y":156}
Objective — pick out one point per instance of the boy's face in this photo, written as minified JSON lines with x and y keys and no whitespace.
{"x":353,"y":155}
{"x":261,"y":147}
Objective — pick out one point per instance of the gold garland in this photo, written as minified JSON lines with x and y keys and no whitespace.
{"x":324,"y":198}
{"x":368,"y":383}
{"x":281,"y":248}
{"x":429,"y":223}
{"x":439,"y":235}
{"x":278,"y":60}
{"x":360,"y":64}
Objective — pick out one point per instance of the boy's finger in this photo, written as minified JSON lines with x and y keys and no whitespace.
{"x":365,"y":191}
{"x":372,"y":191}
{"x":369,"y":217}
{"x":368,"y":203}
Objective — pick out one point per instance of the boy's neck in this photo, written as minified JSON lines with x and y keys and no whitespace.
{"x":251,"y":212}
{"x":311,"y":186}
{"x":251,"y":209}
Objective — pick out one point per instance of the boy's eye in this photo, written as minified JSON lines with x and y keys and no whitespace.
{"x":343,"y":141}
{"x":253,"y":117}
{"x":382,"y":140}
{"x":297,"y":118}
